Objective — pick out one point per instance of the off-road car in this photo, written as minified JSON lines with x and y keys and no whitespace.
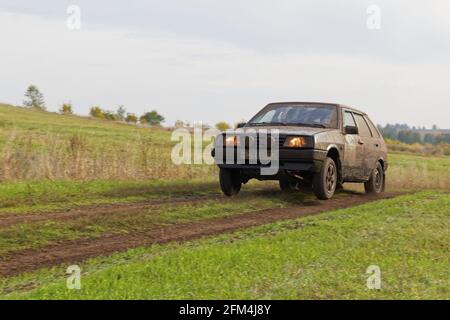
{"x":320,"y":145}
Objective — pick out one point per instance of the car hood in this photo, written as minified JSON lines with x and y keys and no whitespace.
{"x":289,"y":130}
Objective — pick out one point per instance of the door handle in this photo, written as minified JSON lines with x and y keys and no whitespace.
{"x":360,"y":141}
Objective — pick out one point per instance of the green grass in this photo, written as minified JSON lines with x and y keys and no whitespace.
{"x":44,"y":196}
{"x":433,"y":164}
{"x":319,"y":257}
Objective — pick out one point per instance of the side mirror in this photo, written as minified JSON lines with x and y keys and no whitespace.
{"x":351,"y":130}
{"x":240,"y":125}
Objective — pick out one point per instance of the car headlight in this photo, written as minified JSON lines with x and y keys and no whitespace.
{"x":297,"y":142}
{"x":232,"y":141}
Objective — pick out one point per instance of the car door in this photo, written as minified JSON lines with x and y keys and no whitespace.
{"x":353,"y":150}
{"x":369,"y":155}
{"x":378,"y":141}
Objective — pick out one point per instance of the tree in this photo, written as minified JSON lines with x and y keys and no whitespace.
{"x":131,"y":118}
{"x":121,"y":112}
{"x":34,"y":98}
{"x":152,"y":118}
{"x":66,"y":108}
{"x":110,"y":115}
{"x":223,"y":126}
{"x":97,"y":112}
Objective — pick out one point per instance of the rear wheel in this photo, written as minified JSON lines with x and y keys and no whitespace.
{"x":325,"y":181}
{"x":375,"y":185}
{"x":230,"y":182}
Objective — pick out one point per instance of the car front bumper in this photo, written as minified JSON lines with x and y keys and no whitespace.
{"x":303,"y":160}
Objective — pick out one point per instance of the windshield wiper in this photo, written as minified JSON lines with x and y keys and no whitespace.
{"x":268,"y":124}
{"x":315,"y":125}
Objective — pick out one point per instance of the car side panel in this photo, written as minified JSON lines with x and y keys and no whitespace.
{"x":331,"y":140}
{"x":323,"y":140}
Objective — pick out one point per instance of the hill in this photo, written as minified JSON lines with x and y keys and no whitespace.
{"x":42,"y":145}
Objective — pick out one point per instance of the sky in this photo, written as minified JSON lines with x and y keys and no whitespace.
{"x":199,"y":60}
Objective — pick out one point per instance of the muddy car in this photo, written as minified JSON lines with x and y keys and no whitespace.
{"x":318,"y":145}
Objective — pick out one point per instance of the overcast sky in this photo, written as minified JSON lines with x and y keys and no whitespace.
{"x":202,"y":60}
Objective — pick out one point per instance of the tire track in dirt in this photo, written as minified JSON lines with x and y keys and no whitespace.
{"x":8,"y":219}
{"x":82,"y":249}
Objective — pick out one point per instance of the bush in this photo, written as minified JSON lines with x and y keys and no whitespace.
{"x":223,"y":126}
{"x":109,"y":115}
{"x":66,"y":108}
{"x":152,"y":118}
{"x":131,"y":118}
{"x":97,"y":112}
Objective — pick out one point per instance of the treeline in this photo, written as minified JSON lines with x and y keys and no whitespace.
{"x":411,"y":135}
{"x":35,"y":99}
{"x":152,"y":118}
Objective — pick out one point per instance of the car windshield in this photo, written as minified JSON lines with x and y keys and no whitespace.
{"x":297,"y":114}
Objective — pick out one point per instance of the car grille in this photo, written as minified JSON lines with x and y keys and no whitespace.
{"x":281,"y":140}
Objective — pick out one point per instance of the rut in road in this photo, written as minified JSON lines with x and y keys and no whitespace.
{"x":8,"y":219}
{"x":79,"y":250}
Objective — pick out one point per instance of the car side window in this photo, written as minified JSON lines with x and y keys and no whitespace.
{"x":374,"y":130}
{"x":348,"y":119}
{"x":364,"y":130}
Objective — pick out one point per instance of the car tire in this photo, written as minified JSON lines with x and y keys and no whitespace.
{"x":230,"y":182}
{"x":376,"y":183}
{"x":325,"y":181}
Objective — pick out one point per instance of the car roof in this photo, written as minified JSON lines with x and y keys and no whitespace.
{"x":323,"y":103}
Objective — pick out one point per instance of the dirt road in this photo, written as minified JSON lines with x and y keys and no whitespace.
{"x":8,"y":219}
{"x":69,"y":252}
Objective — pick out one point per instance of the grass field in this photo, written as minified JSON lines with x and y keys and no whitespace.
{"x":319,"y":257}
{"x":68,"y":180}
{"x":36,"y":145}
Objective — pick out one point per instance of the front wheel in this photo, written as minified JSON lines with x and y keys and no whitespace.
{"x":230,"y":182}
{"x":325,"y":181}
{"x":375,"y":185}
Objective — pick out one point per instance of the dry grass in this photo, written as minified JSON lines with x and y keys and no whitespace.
{"x":414,"y":172}
{"x":78,"y":157}
{"x":38,"y":145}
{"x":417,"y":178}
{"x":442,"y":149}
